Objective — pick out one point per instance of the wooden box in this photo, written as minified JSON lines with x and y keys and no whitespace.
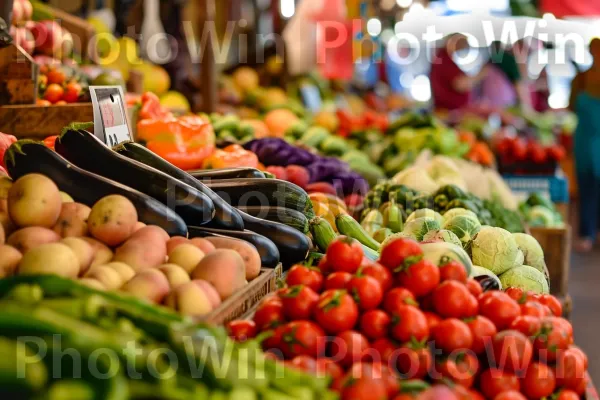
{"x":37,"y":122}
{"x":242,"y":302}
{"x":556,"y":243}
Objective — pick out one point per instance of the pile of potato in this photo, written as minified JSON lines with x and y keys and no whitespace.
{"x":42,"y":231}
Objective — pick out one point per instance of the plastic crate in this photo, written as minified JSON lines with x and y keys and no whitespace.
{"x":556,"y":188}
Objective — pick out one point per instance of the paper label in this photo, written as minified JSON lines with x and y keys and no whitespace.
{"x":110,"y":115}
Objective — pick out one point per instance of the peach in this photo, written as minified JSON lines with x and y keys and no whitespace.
{"x":66,"y":198}
{"x":139,"y":225}
{"x":175,"y":274}
{"x":83,"y":250}
{"x":112,"y":219}
{"x":140,"y":254}
{"x":9,"y":259}
{"x":149,"y":284}
{"x":189,"y":299}
{"x":224,"y":269}
{"x":34,"y":200}
{"x":186,"y":256}
{"x":72,"y":220}
{"x":102,"y":253}
{"x":106,"y":275}
{"x":203,"y":245}
{"x":210,"y":291}
{"x":176,"y":241}
{"x":31,"y":237}
{"x":122,"y":269}
{"x":50,"y":258}
{"x":151,"y":231}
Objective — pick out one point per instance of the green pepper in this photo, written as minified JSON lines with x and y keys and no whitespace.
{"x":14,"y":355}
{"x":440,"y":202}
{"x":461,"y":203}
{"x":452,"y":192}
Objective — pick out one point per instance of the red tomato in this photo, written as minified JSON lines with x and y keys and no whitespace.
{"x":420,"y":278}
{"x":527,"y":325}
{"x":366,"y":292}
{"x":499,"y":308}
{"x":375,"y":324}
{"x":302,"y":338}
{"x":345,"y":254}
{"x":308,"y":276}
{"x":517,"y":294}
{"x":556,"y":152}
{"x":377,"y":371}
{"x":327,"y":367}
{"x":409,"y":323}
{"x":451,"y":299}
{"x":552,"y":303}
{"x":72,"y":92}
{"x":336,"y":311}
{"x":383,"y":350}
{"x":570,"y":370}
{"x":241,"y":330}
{"x":519,"y":149}
{"x":512,"y":351}
{"x":474,"y":287}
{"x":453,"y":270}
{"x":364,"y":389}
{"x":492,"y":382}
{"x":274,"y":343}
{"x":452,"y":334}
{"x":54,"y":93}
{"x":539,"y":381}
{"x":535,"y":309}
{"x":50,"y":141}
{"x":269,"y":315}
{"x":348,"y":347}
{"x":460,"y":369}
{"x":400,"y":253}
{"x":305,"y":363}
{"x":438,"y":392}
{"x":537,"y":153}
{"x":566,"y":394}
{"x":432,"y":319}
{"x":581,"y":354}
{"x":379,"y":272}
{"x":56,"y":76}
{"x":483,"y":331}
{"x":426,"y":303}
{"x":474,"y":395}
{"x":510,"y":395}
{"x":413,"y":363}
{"x":398,"y":297}
{"x":555,"y":336}
{"x":324,"y":265}
{"x":298,"y":302}
{"x":337,"y":280}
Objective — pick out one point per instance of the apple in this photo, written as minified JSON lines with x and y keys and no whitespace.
{"x":27,"y":9}
{"x":48,"y":38}
{"x":17,"y":13}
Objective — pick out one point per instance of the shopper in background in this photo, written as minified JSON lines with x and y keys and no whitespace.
{"x":585,"y":102}
{"x":451,"y":87}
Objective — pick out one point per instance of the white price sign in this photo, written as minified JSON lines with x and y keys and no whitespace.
{"x":110,"y":115}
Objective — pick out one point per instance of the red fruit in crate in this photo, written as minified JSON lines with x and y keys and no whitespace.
{"x":512,"y":351}
{"x":375,"y":324}
{"x":241,"y":330}
{"x":383,"y":349}
{"x":483,"y":331}
{"x":452,"y":334}
{"x":556,"y":152}
{"x":414,"y":362}
{"x":337,"y":280}
{"x":298,"y":302}
{"x":72,"y":92}
{"x":537,"y":153}
{"x":297,"y":175}
{"x":279,"y":172}
{"x":432,"y":319}
{"x":321,"y":187}
{"x":409,"y":323}
{"x":499,"y":308}
{"x":377,"y":371}
{"x":474,"y":287}
{"x":519,"y":149}
{"x":380,"y":273}
{"x":348,"y":347}
{"x":554,"y":337}
{"x":453,"y":271}
{"x":400,"y":253}
{"x":571,"y":369}
{"x":364,"y":388}
{"x":552,"y":303}
{"x":510,"y":395}
{"x":539,"y":381}
{"x":452,"y":299}
{"x":303,"y":275}
{"x":460,"y":368}
{"x":494,"y":381}
{"x":345,"y":254}
{"x":336,"y":311}
{"x":54,"y":93}
{"x":56,"y":75}
{"x":303,"y":338}
{"x":397,"y":298}
{"x":366,"y":292}
{"x":420,"y":278}
{"x":269,"y":315}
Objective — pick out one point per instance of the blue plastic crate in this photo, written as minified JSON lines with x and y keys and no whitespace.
{"x":554,"y":187}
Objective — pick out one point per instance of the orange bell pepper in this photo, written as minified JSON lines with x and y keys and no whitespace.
{"x":49,"y":141}
{"x":232,"y":156}
{"x":151,"y":108}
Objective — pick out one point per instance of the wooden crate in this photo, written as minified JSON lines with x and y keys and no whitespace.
{"x":556,"y":243}
{"x":245,"y":300}
{"x":38,"y":122}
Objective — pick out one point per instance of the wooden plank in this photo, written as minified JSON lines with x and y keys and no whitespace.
{"x":32,"y":121}
{"x":556,"y":243}
{"x":18,"y":76}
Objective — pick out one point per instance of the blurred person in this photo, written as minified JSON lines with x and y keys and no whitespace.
{"x":451,"y":87}
{"x":585,"y":103}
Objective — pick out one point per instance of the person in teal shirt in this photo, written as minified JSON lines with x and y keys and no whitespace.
{"x":585,"y":102}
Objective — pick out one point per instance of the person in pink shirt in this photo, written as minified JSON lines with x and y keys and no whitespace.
{"x":451,"y":87}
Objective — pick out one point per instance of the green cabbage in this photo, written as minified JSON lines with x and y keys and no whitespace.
{"x":442,"y":235}
{"x":453,"y":212}
{"x":526,"y":278}
{"x":420,"y":226}
{"x":465,"y":227}
{"x":495,"y":249}
{"x":532,"y":251}
{"x":399,"y":235}
{"x":425,"y":213}
{"x":540,"y":216}
{"x":440,"y":253}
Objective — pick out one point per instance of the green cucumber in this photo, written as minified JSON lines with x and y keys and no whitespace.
{"x":348,"y":226}
{"x":322,"y":233}
{"x":286,"y":216}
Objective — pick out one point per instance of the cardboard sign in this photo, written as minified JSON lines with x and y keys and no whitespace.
{"x":110,"y":116}
{"x":311,"y":96}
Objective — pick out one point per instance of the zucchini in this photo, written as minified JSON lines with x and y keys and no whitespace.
{"x":322,"y":233}
{"x":348,"y":226}
{"x":269,"y":255}
{"x":293,"y":245}
{"x":226,"y":217}
{"x":226,"y":173}
{"x":88,"y":152}
{"x":370,"y":253}
{"x":27,"y":157}
{"x":285,"y":216}
{"x":262,"y":192}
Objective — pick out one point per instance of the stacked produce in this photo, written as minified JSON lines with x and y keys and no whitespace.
{"x":409,"y":326}
{"x":122,"y":348}
{"x":539,"y":211}
{"x":517,"y":155}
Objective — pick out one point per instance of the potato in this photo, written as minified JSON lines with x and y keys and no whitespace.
{"x":102,"y":253}
{"x":151,"y":231}
{"x":50,"y":258}
{"x":112,"y":219}
{"x":6,"y":223}
{"x":224,"y":269}
{"x":5,"y":184}
{"x":186,"y":256}
{"x":66,"y":198}
{"x":210,"y":291}
{"x":123,"y":269}
{"x":149,"y":284}
{"x":175,"y":274}
{"x":139,"y":225}
{"x":34,"y":200}
{"x":203,"y":245}
{"x":9,"y":259}
{"x":174,"y":242}
{"x":29,"y":238}
{"x":248,"y":253}
{"x":189,"y":299}
{"x":140,"y":254}
{"x":107,"y":276}
{"x":92,"y":283}
{"x":83,"y":250}
{"x":73,"y":220}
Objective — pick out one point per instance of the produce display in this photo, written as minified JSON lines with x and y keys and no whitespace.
{"x":539,"y":211}
{"x":413,"y":326}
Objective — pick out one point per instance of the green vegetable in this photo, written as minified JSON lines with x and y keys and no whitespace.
{"x":440,"y":253}
{"x":465,"y":227}
{"x":480,"y":271}
{"x":392,"y":217}
{"x":16,"y":375}
{"x":448,"y":215}
{"x":399,"y":235}
{"x":451,"y":192}
{"x":314,"y":136}
{"x":348,"y":226}
{"x":495,"y":249}
{"x":532,"y":251}
{"x":381,"y":234}
{"x":526,"y":278}
{"x":425,"y":213}
{"x":322,"y":233}
{"x":420,"y":226}
{"x":442,"y":235}
{"x":540,"y":216}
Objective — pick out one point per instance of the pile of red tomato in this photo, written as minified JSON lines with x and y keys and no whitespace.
{"x":56,"y":87}
{"x":404,"y":328}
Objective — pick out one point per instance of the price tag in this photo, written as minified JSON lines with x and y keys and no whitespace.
{"x":110,"y":116}
{"x":311,"y":97}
